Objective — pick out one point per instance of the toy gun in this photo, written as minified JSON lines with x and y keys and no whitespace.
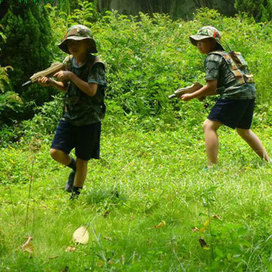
{"x":54,"y":68}
{"x":191,"y":89}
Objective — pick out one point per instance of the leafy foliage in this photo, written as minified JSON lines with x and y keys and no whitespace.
{"x":10,"y":102}
{"x":144,"y":197}
{"x":28,"y":34}
{"x":10,"y":106}
{"x":140,"y":205}
{"x":45,"y":121}
{"x":4,"y":79}
{"x":148,"y":58}
{"x":261,"y":10}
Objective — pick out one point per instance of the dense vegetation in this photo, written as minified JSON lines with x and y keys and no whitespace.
{"x":261,"y":10}
{"x":148,"y":204}
{"x":148,"y":58}
{"x":28,"y":45}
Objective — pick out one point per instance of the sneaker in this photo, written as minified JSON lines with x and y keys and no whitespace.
{"x":70,"y":182}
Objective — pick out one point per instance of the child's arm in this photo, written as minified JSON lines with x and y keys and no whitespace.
{"x":46,"y":82}
{"x":88,"y":88}
{"x":206,"y":90}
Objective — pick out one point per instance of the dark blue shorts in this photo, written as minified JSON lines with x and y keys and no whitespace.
{"x":233,"y":113}
{"x":85,"y":140}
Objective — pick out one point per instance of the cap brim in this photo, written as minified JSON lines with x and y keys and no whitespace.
{"x":64,"y":48}
{"x":195,"y":38}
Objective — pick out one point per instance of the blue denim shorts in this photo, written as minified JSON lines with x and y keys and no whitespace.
{"x":85,"y":139}
{"x":233,"y":113}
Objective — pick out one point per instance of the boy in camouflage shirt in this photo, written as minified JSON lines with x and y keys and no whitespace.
{"x":237,"y":93}
{"x":84,"y":85}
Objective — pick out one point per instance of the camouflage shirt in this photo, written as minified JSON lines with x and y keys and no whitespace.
{"x":227,"y":85}
{"x":81,"y":109}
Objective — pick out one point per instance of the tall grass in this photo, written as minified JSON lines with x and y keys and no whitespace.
{"x":149,"y":204}
{"x":142,"y":204}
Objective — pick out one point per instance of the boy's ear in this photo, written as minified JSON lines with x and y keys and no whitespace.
{"x":213,"y":42}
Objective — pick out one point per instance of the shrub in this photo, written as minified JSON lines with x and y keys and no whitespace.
{"x":10,"y":102}
{"x":147,"y":58}
{"x":28,"y":35}
{"x":261,"y":10}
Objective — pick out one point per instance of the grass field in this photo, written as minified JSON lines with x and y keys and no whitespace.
{"x":148,"y":204}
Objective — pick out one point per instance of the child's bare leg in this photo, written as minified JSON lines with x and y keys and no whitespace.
{"x":81,"y":172}
{"x":211,"y":140}
{"x":254,"y":142}
{"x":60,"y":156}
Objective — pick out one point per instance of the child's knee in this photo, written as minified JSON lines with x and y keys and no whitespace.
{"x":54,"y":153}
{"x":211,"y":125}
{"x":206,"y":125}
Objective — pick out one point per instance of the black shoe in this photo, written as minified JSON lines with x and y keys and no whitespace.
{"x":70,"y":182}
{"x":74,"y":195}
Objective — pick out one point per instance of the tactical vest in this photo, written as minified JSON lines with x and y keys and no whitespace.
{"x":237,"y":65}
{"x":79,"y":108}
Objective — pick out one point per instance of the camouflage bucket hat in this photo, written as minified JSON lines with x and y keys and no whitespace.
{"x":78,"y":33}
{"x":205,"y":33}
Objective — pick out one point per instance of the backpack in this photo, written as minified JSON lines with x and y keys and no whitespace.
{"x":237,"y":65}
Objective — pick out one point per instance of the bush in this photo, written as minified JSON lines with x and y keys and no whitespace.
{"x":44,"y":122}
{"x":261,"y":10}
{"x":10,"y":102}
{"x":28,"y":35}
{"x":147,"y":58}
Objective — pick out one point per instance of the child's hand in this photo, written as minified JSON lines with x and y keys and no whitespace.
{"x":63,"y":75}
{"x":186,"y":97}
{"x":45,"y":81}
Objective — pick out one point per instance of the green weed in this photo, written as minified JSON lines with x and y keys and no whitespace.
{"x":141,"y":203}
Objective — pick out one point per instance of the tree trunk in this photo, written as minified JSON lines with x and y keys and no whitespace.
{"x":203,"y":3}
{"x":104,"y":5}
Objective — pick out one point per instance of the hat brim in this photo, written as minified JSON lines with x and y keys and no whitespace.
{"x":63,"y":45}
{"x":195,"y":38}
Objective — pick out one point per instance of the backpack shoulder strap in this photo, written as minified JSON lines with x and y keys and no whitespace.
{"x":238,"y":73}
{"x":220,"y":53}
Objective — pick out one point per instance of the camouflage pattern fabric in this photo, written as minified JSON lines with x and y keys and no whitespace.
{"x":205,"y":33}
{"x":78,"y":31}
{"x":227,"y":85}
{"x":81,"y":109}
